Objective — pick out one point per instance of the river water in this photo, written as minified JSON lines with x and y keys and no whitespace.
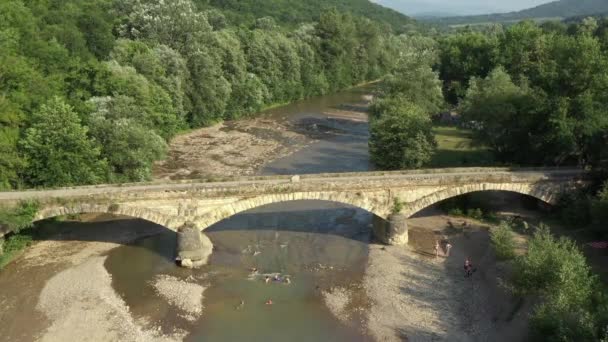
{"x":319,"y":245}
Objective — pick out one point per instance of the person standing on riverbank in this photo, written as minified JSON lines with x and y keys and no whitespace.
{"x":468,"y":268}
{"x":436,"y":249}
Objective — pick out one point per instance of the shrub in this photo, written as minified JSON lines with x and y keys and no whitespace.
{"x":455,"y":212}
{"x":397,"y":206}
{"x":551,"y":266}
{"x":575,"y":306}
{"x":19,"y":217}
{"x":13,"y":244}
{"x":502,"y":240}
{"x":491,"y":217}
{"x":476,"y":214}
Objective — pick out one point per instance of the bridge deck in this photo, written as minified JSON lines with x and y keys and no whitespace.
{"x":311,"y":179}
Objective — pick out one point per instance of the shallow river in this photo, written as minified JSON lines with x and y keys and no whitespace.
{"x":319,"y":245}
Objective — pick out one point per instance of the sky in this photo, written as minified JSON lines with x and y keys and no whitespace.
{"x":459,"y":7}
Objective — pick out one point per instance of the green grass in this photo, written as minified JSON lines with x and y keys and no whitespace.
{"x":14,"y":246}
{"x":456,"y":148}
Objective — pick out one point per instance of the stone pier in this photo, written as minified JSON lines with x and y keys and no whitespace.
{"x":394,"y":232}
{"x":193,"y":246}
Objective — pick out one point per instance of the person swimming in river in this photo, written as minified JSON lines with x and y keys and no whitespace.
{"x":268,"y":302}
{"x":287,"y":280}
{"x":267,"y":279}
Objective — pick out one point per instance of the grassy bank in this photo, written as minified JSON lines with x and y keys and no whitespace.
{"x":17,"y":221}
{"x":456,"y":148}
{"x":14,"y":245}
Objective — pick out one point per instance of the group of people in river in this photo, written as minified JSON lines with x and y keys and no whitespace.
{"x":268,"y":278}
{"x":277,"y":279}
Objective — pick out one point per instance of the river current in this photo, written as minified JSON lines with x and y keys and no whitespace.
{"x":319,"y":246}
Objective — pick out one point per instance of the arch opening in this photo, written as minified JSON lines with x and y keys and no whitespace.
{"x":302,"y":216}
{"x":486,"y":203}
{"x":74,"y":235}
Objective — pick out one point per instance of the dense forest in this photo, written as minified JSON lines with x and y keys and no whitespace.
{"x":555,"y":9}
{"x":293,"y":12}
{"x":91,"y":90}
{"x":536,"y":93}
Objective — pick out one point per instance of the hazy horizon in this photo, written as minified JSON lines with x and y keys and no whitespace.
{"x":458,"y":7}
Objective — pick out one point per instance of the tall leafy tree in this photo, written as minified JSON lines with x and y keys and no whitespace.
{"x":465,"y":55}
{"x":129,"y":146}
{"x":58,"y":150}
{"x":401,"y":135}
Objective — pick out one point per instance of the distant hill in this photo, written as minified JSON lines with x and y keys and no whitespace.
{"x":297,"y":11}
{"x":556,"y":9}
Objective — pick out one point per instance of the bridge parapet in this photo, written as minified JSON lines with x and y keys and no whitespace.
{"x":173,"y":203}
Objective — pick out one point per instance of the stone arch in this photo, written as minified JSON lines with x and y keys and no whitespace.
{"x":140,"y":213}
{"x":545,"y":192}
{"x":376,"y":206}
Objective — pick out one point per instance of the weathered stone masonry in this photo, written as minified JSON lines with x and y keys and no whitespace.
{"x":172,"y":204}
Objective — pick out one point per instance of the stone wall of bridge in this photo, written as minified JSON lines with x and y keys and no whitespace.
{"x":173,"y":204}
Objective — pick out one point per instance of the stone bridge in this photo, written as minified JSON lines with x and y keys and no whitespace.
{"x":172,"y":204}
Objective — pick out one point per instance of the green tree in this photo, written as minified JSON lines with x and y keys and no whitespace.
{"x":524,"y":51}
{"x":401,"y":135}
{"x":508,"y":117}
{"x":574,"y":303}
{"x":58,"y":151}
{"x":179,"y":25}
{"x":129,"y":147}
{"x":418,"y":84}
{"x":463,"y":56}
{"x":502,"y":241}
{"x":599,"y":207}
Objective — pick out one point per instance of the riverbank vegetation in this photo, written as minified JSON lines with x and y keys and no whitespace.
{"x":574,"y":303}
{"x":13,"y":245}
{"x":535,"y":94}
{"x":401,"y":134}
{"x":15,"y":221}
{"x":105,"y":84}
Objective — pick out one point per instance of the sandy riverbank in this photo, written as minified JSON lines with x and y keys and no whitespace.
{"x":417,"y":297}
{"x":237,"y":148}
{"x":60,"y":286}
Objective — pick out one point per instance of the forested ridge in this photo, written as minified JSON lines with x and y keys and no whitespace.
{"x":92,"y":90}
{"x":555,"y":9}
{"x":293,"y":12}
